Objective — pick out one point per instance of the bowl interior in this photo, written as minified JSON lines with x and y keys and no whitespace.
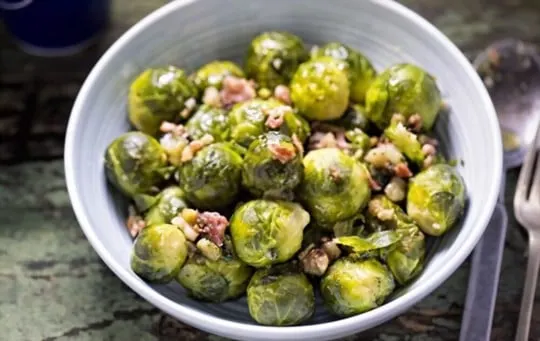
{"x":190,"y":33}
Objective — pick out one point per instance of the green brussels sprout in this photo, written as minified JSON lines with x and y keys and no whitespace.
{"x":273,"y":57}
{"x":382,"y":214}
{"x":134,"y":163}
{"x":436,"y":199}
{"x":360,"y":142}
{"x":335,"y":187}
{"x":405,"y":141}
{"x":272,"y":166}
{"x":158,"y":95}
{"x":280,"y":296}
{"x":248,"y":120}
{"x":158,"y":253}
{"x":405,"y":89}
{"x":211,"y":179}
{"x":215,"y":280}
{"x":352,"y":286}
{"x":320,"y":89}
{"x":209,"y":120}
{"x":213,"y":73}
{"x":266,"y":232}
{"x":168,"y":204}
{"x":354,"y":117}
{"x":361,"y":73}
{"x":406,"y":258}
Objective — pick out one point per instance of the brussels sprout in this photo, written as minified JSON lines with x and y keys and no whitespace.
{"x":213,"y":73}
{"x":320,"y":89}
{"x":361,"y":73}
{"x":375,"y":241}
{"x":280,"y":296}
{"x":436,"y":199}
{"x":169,"y":203}
{"x":215,"y":280}
{"x":134,"y":163}
{"x":405,"y":89}
{"x":247,"y":121}
{"x":383,"y":214}
{"x":272,"y":166}
{"x":273,"y":57}
{"x":335,"y":187}
{"x":158,"y":95}
{"x":406,"y":259}
{"x":352,"y":286}
{"x":209,"y":120}
{"x":266,"y":232}
{"x":406,"y":141}
{"x":158,"y":253}
{"x":211,"y":179}
{"x":360,"y":142}
{"x":354,"y":117}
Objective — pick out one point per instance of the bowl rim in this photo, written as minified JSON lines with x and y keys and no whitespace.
{"x":237,"y":330}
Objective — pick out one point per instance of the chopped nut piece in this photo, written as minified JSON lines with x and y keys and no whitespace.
{"x":187,"y":154}
{"x":415,"y":123}
{"x":190,"y":215}
{"x":209,"y":249}
{"x":429,"y":149}
{"x":315,"y":262}
{"x":331,"y":249}
{"x":383,"y":155}
{"x":167,"y":127}
{"x":282,"y":93}
{"x":281,"y":153}
{"x":211,"y":97}
{"x":428,"y":161}
{"x":395,"y":190}
{"x":190,"y":103}
{"x":135,"y":224}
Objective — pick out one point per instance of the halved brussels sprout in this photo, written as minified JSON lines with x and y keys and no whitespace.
{"x":335,"y":186}
{"x":211,"y":179}
{"x":436,"y":199}
{"x":213,"y":73}
{"x":406,"y":258}
{"x":352,"y":286}
{"x":158,"y":253}
{"x":209,"y":120}
{"x":273,"y":57}
{"x":158,"y":95}
{"x":361,"y":73}
{"x":280,"y":296}
{"x":272,"y":166}
{"x":405,"y":89}
{"x":248,"y":120}
{"x":266,"y":232}
{"x":169,"y":203}
{"x":406,"y":141}
{"x":383,"y":214}
{"x":320,"y":89}
{"x":215,"y":280}
{"x":134,"y":163}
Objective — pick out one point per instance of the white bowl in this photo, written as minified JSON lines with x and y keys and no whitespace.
{"x":189,"y":33}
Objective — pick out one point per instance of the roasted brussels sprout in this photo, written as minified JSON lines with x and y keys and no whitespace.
{"x":272,"y":166}
{"x":168,"y":204}
{"x":134,"y":163}
{"x":406,"y":258}
{"x":266,"y":232}
{"x":335,"y":186}
{"x":213,"y":73}
{"x":382,"y":214}
{"x":320,"y":89}
{"x":406,"y":141}
{"x":158,"y":253}
{"x":361,"y":73}
{"x":352,"y":286}
{"x":405,"y":89}
{"x":436,"y":199}
{"x":211,"y":179}
{"x":273,"y":57}
{"x":215,"y":280}
{"x":158,"y":95}
{"x":280,"y":296}
{"x":209,"y":120}
{"x":250,"y":119}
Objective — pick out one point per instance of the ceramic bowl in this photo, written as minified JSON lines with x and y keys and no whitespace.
{"x":189,"y":33}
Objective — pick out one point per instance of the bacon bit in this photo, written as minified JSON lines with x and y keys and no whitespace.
{"x":282,"y":93}
{"x":135,"y":224}
{"x":275,"y":118}
{"x":402,"y":170}
{"x":281,"y":153}
{"x":213,"y":225}
{"x":236,"y":90}
{"x":428,"y":149}
{"x":415,"y":123}
{"x":211,"y":97}
{"x":298,"y":144}
{"x":342,"y":142}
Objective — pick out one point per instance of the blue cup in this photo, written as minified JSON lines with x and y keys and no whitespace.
{"x":54,"y":27}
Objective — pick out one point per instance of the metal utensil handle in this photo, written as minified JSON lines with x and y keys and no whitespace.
{"x":529,"y":290}
{"x":484,"y":279}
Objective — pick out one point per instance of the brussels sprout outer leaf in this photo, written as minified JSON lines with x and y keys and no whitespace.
{"x":406,"y":142}
{"x":376,"y":240}
{"x":407,"y":258}
{"x":144,"y":201}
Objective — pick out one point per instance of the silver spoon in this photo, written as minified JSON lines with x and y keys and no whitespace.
{"x":510,"y":69}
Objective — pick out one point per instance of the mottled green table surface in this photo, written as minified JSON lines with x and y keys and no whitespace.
{"x":53,"y":286}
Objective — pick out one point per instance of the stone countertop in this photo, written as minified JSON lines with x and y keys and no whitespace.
{"x":54,"y":287}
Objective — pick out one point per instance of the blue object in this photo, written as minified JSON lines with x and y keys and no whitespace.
{"x":54,"y":27}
